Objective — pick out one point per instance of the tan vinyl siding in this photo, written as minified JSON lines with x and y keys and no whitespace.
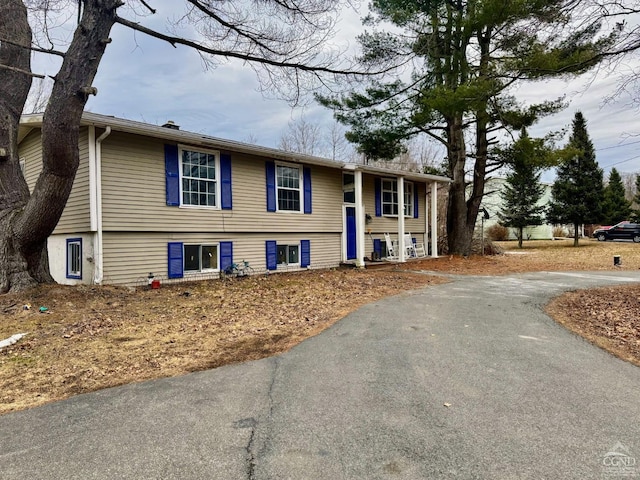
{"x":31,"y":152}
{"x":134,"y":195}
{"x":379,"y":225}
{"x":130,"y":257}
{"x":76,"y":216}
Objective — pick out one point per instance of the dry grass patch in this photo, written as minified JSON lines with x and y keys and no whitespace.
{"x":539,"y":256}
{"x":98,"y":337}
{"x":608,"y":317}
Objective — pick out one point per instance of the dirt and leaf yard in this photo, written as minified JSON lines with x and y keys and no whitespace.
{"x":86,"y":338}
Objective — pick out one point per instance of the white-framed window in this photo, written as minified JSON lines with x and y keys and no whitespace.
{"x":200,"y":258}
{"x":199,"y":177}
{"x":408,"y":199}
{"x":74,"y":258}
{"x":349,"y":187}
{"x":288,"y":254}
{"x":289,"y":188}
{"x":389,"y":196}
{"x":389,"y":192}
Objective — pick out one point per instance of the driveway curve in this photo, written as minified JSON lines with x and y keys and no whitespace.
{"x":465,"y":380}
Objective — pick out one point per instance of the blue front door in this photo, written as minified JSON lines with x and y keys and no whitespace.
{"x":351,"y":233}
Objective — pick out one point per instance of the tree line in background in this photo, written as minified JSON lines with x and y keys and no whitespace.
{"x":578,"y":195}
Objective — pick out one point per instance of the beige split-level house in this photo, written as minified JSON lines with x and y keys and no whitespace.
{"x":183,"y":205}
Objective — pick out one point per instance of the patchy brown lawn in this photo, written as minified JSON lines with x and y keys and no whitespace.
{"x":97,"y":337}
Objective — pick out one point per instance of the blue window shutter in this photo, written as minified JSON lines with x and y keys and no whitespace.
{"x":271,"y":186}
{"x":175,"y":260}
{"x":378,"y":194}
{"x":172,"y":172}
{"x":272,"y":254}
{"x":306,"y":174}
{"x":377,"y":247}
{"x":226,"y":254}
{"x":415,"y":201}
{"x":305,"y":253}
{"x":225,"y":182}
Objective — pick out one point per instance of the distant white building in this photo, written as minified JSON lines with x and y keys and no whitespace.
{"x":493,"y":204}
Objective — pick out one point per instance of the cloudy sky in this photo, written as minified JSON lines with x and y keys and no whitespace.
{"x":145,"y":79}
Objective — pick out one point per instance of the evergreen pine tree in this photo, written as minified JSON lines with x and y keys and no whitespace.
{"x":522,"y":189}
{"x":577,"y":192}
{"x":615,"y":207}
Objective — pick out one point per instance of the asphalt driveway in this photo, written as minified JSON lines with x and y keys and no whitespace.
{"x":466,"y":380}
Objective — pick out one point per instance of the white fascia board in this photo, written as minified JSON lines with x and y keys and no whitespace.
{"x":196,"y":139}
{"x":389,"y":172}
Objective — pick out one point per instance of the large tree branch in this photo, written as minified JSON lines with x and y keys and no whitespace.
{"x":48,"y":51}
{"x":174,"y":41}
{"x":251,"y":36}
{"x":22,"y":71}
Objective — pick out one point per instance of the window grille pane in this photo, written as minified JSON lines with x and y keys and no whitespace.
{"x":192,"y":258}
{"x":408,"y":199}
{"x":209,"y":257}
{"x":74,"y":258}
{"x":288,"y":200}
{"x":389,"y":197}
{"x":288,"y":177}
{"x":389,"y":209}
{"x":350,"y":197}
{"x":199,"y":174}
{"x":282,"y":254}
{"x":348,"y":179}
{"x":293,"y":254}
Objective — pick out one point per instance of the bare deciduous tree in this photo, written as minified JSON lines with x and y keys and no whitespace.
{"x":38,"y":95}
{"x":303,"y":136}
{"x":281,"y":39}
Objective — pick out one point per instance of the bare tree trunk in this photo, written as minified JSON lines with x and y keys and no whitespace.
{"x":520,"y":235}
{"x":459,"y":237}
{"x":575,"y":234}
{"x":463,"y":213}
{"x":14,"y":88}
{"x":26,"y":221}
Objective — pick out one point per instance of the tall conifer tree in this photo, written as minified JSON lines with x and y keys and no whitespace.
{"x":615,"y":206}
{"x":522,"y":189}
{"x":577,"y":193}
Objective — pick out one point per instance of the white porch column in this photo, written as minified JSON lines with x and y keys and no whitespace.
{"x":434,"y":219}
{"x":360,"y":223}
{"x":401,"y":249}
{"x":427,"y":216}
